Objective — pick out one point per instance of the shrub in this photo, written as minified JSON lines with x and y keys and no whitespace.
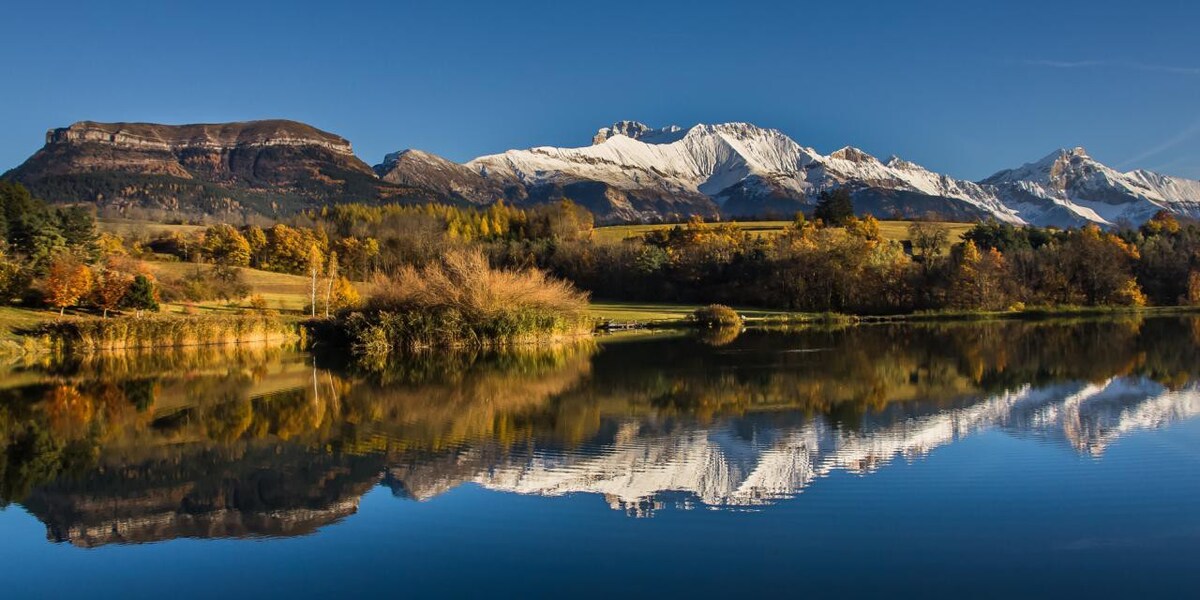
{"x":203,"y":284}
{"x":716,"y":315}
{"x":258,"y":303}
{"x":462,"y":301}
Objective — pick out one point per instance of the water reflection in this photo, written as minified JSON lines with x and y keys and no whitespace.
{"x":221,"y":443}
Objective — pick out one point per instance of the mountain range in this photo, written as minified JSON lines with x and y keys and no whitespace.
{"x":630,"y":173}
{"x":750,"y":461}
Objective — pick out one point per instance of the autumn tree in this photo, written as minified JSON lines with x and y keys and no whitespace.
{"x":357,"y":255}
{"x":1099,"y":266}
{"x":289,"y":249}
{"x":928,"y":241}
{"x":981,"y":279}
{"x":331,"y":275}
{"x":68,"y":280}
{"x":14,"y":277}
{"x":314,"y":269}
{"x":563,"y":220}
{"x":1193,"y":289}
{"x":113,"y":281}
{"x":1162,"y":222}
{"x":226,"y":246}
{"x":257,"y":240}
{"x":343,"y":295}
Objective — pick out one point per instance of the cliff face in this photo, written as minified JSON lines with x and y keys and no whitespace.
{"x":215,"y":137}
{"x":268,"y":167}
{"x":210,"y":493}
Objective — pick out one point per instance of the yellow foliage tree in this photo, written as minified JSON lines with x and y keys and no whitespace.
{"x":69,"y":280}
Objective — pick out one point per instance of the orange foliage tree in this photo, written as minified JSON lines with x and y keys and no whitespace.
{"x":68,"y":281}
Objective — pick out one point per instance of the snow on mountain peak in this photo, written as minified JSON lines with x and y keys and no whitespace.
{"x":746,"y":170}
{"x":636,"y":130}
{"x":392,"y":157}
{"x":895,"y":162}
{"x":1069,"y":187}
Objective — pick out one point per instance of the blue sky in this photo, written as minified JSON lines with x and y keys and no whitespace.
{"x":965,"y":88}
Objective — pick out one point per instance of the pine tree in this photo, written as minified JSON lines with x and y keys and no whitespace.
{"x":835,"y":207}
{"x":142,"y":294}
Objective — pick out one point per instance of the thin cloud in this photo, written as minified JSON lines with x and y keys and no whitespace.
{"x":1115,"y":64}
{"x":1184,"y":135}
{"x":1183,"y":166}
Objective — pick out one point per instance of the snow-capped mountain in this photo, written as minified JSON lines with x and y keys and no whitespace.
{"x":1069,"y":187}
{"x":632,"y":172}
{"x":721,"y":465}
{"x":635,"y":172}
{"x":721,"y":468}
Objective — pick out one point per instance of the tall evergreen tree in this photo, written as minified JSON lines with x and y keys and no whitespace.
{"x":834,"y":207}
{"x":142,"y":294}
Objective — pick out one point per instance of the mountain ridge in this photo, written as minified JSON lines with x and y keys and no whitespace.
{"x":631,"y":172}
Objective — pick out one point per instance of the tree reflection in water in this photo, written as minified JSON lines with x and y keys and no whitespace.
{"x":221,"y":443}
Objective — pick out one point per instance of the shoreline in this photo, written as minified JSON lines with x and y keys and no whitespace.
{"x":50,"y":336}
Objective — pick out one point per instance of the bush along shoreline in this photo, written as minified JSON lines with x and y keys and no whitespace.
{"x":109,"y":335}
{"x":460,"y":301}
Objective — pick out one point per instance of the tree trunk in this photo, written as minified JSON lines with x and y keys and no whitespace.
{"x":328,"y":296}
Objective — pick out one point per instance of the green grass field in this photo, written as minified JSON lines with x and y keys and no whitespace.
{"x":280,"y":290}
{"x":891,"y":230}
{"x":126,"y":227}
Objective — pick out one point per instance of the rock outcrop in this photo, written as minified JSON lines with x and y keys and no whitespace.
{"x":630,"y":173}
{"x":268,"y":167}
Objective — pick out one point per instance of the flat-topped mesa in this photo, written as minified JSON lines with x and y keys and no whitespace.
{"x":215,"y":136}
{"x":268,"y":167}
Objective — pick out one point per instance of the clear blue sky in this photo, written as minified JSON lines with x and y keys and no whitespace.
{"x":961,"y":88}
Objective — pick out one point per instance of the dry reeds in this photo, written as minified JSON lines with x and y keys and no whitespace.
{"x":464,"y":281}
{"x":461,"y":301}
{"x":107,"y":335}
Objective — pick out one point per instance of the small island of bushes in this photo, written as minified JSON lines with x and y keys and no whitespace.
{"x":461,"y":301}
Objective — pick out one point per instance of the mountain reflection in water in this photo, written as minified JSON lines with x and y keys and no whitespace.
{"x":132,"y":448}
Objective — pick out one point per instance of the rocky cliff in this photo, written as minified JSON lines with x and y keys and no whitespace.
{"x":270,"y":167}
{"x":630,"y":173}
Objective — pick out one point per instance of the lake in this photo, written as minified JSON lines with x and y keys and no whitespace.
{"x":1036,"y":459}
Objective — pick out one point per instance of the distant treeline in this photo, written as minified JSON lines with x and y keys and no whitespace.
{"x":852,"y":269}
{"x":829,"y":261}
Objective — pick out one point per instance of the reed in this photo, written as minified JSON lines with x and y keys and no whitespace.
{"x":127,"y":333}
{"x":461,"y":301}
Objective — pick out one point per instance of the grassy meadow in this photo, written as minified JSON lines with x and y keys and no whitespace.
{"x":129,"y":227}
{"x":891,"y":230}
{"x":281,"y":291}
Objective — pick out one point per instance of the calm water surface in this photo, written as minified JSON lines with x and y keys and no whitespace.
{"x":1055,"y":459}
